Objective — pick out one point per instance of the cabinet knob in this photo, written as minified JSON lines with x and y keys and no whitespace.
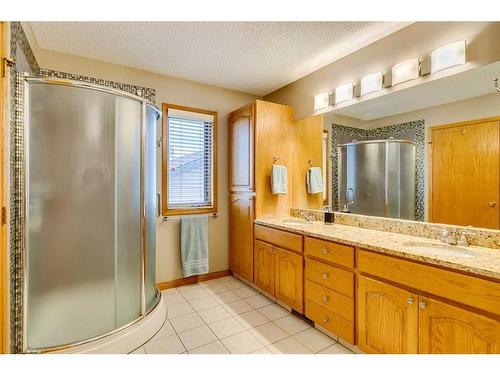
{"x":325,"y":299}
{"x":410,"y":300}
{"x":422,"y":305}
{"x":492,"y":204}
{"x":325,"y":275}
{"x":325,"y":250}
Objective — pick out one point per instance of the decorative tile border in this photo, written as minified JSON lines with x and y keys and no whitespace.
{"x":144,"y":92}
{"x":417,"y":128}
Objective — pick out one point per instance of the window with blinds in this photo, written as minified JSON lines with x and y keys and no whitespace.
{"x":191,"y":160}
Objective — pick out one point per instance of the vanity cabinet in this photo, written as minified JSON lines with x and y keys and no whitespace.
{"x":461,"y":317}
{"x":279,"y":265}
{"x":241,"y":217}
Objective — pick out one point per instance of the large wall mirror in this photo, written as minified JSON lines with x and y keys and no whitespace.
{"x":430,"y":152}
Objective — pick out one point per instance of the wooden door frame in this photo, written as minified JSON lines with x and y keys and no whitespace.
{"x":3,"y":231}
{"x":432,"y":129}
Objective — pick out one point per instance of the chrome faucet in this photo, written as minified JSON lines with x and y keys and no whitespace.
{"x":448,"y":237}
{"x":463,"y":240}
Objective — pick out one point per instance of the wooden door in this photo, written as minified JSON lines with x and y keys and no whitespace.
{"x":241,"y":217}
{"x":447,"y":329}
{"x":241,"y":150}
{"x":387,"y":318}
{"x":465,"y":185}
{"x":289,"y":278}
{"x":264,"y":270}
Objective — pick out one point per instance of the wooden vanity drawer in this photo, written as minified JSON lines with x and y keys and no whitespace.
{"x":332,"y":322}
{"x":465,"y":289}
{"x":330,"y":299}
{"x":279,"y":238}
{"x":329,"y":251}
{"x":335,"y":278}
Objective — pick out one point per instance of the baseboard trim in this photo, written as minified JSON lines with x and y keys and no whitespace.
{"x":192,"y":279}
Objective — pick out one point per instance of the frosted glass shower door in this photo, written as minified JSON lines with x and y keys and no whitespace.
{"x":83,"y":213}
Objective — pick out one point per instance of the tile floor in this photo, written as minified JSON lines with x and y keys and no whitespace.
{"x":226,"y":316}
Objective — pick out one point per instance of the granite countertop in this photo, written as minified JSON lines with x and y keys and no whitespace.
{"x":481,"y":261}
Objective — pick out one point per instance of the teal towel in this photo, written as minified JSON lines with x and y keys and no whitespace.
{"x":194,"y":245}
{"x":314,"y":180}
{"x":279,"y":177}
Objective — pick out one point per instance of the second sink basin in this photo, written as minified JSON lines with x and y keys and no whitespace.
{"x":440,"y":249}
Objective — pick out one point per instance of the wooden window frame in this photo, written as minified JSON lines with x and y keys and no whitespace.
{"x":196,"y":210}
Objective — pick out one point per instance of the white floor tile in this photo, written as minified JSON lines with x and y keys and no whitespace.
{"x":192,"y":294}
{"x":336,"y":349}
{"x":291,"y":324}
{"x":173,"y":298}
{"x":242,"y":343}
{"x":226,"y":297}
{"x":251,"y":319}
{"x":274,"y":311}
{"x":226,"y":327}
{"x":213,"y":348}
{"x":213,"y":314}
{"x":259,"y":301}
{"x":139,"y":350}
{"x":288,"y":346}
{"x":197,"y":337}
{"x":246,"y":291}
{"x":314,"y":340}
{"x":165,"y":331}
{"x":215,"y":288}
{"x":203,"y":303}
{"x":188,"y":287}
{"x":167,"y":345}
{"x":269,"y":333}
{"x":232,"y":283}
{"x":178,"y":309}
{"x":184,"y":322}
{"x":237,"y":307}
{"x":262,"y":351}
{"x":165,"y":292}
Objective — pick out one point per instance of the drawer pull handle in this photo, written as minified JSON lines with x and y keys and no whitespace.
{"x":325,"y":275}
{"x":325,"y":251}
{"x":410,"y":300}
{"x":325,"y":299}
{"x":326,"y":320}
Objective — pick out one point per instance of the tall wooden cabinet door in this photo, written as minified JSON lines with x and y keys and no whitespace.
{"x":241,"y":150}
{"x":447,"y":329}
{"x":387,"y":318}
{"x":241,"y":217}
{"x":466,"y":175}
{"x":289,"y":278}
{"x":264,"y":276}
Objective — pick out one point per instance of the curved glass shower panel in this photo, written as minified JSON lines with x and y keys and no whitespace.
{"x":82,"y":214}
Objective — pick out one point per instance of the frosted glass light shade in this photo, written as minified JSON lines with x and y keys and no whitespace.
{"x":344,"y":93}
{"x":371,"y":83}
{"x":321,"y":101}
{"x":445,"y":57}
{"x":405,"y":71}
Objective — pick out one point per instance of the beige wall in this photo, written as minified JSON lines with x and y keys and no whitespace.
{"x":182,"y":92}
{"x":416,"y":40}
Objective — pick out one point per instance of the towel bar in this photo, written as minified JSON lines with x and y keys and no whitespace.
{"x":170,"y":218}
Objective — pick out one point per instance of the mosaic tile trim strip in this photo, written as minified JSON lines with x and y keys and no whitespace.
{"x":16,"y":212}
{"x":417,"y":128}
{"x":18,"y":39}
{"x":144,"y":92}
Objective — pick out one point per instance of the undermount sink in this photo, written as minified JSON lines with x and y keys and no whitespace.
{"x":297,"y":222}
{"x":440,"y":249}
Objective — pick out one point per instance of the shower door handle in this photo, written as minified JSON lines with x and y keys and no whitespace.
{"x":349,"y":195}
{"x":158,"y":204}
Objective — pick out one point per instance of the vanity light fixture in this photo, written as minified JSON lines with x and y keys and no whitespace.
{"x":371,"y":83}
{"x":321,"y":101}
{"x":405,"y":71}
{"x":344,"y":93}
{"x":445,"y":57}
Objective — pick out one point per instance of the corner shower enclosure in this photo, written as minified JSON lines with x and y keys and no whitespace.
{"x":377,"y":178}
{"x":90,"y":212}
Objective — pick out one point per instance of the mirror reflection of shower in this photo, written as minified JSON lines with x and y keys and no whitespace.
{"x":377,"y":177}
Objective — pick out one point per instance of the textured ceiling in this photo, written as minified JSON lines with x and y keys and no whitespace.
{"x":253,"y":57}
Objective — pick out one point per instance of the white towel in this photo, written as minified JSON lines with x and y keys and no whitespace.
{"x":279,"y":177}
{"x":314,"y":180}
{"x":194,"y":245}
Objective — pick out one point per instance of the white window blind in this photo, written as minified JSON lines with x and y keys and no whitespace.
{"x":190,"y":162}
